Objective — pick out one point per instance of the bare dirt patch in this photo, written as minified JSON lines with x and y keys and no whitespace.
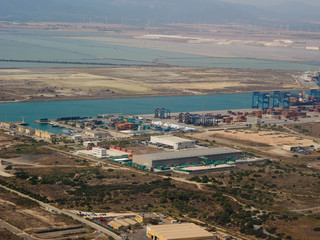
{"x":6,"y":235}
{"x":25,"y":214}
{"x":266,"y":140}
{"x":309,"y":129}
{"x":144,"y":150}
{"x":6,"y":140}
{"x":38,"y":84}
{"x":300,"y":231}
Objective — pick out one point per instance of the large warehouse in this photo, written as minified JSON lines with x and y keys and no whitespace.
{"x":191,"y":156}
{"x":183,"y":231}
{"x":175,"y":142}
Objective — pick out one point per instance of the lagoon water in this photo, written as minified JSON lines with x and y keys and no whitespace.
{"x":59,"y":46}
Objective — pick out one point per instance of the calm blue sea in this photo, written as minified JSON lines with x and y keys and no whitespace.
{"x":85,"y":108}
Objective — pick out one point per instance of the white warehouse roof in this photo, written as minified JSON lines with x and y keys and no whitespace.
{"x":170,"y":138}
{"x":188,"y":153}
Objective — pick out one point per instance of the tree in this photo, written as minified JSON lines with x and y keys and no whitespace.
{"x":163,"y":199}
{"x":9,"y":167}
{"x":205,"y":179}
{"x":22,"y":175}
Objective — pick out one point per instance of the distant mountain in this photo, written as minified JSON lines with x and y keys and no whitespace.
{"x":296,"y":11}
{"x":146,"y":11}
{"x":132,"y":11}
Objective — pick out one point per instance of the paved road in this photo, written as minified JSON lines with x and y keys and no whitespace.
{"x":59,"y":211}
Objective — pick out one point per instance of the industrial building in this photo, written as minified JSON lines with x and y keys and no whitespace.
{"x":175,"y":142}
{"x":123,"y":224}
{"x":96,"y":134}
{"x":30,"y":131}
{"x":147,"y":218}
{"x":7,"y":125}
{"x":190,"y":156}
{"x":182,"y":231}
{"x":77,"y":138}
{"x":117,"y":226}
{"x":45,"y":134}
{"x":88,"y":144}
{"x":99,"y":152}
{"x":133,"y":223}
{"x":289,"y":148}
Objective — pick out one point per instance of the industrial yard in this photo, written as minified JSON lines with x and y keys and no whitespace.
{"x":234,"y":160}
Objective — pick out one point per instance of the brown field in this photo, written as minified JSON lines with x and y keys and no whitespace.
{"x":309,"y":129}
{"x":5,"y":234}
{"x":265,"y":141}
{"x":26,"y":215}
{"x":285,"y":187}
{"x":296,"y":184}
{"x":296,"y":189}
{"x":58,"y":190}
{"x":40,"y":84}
{"x":303,"y":231}
{"x":7,"y":140}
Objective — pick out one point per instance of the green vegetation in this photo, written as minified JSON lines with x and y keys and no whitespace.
{"x":122,"y":143}
{"x":97,"y":190}
{"x":203,"y":179}
{"x":34,"y":148}
{"x":21,"y":174}
{"x":29,"y":146}
{"x":9,"y":167}
{"x":24,"y":191}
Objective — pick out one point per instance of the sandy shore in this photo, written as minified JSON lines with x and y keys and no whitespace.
{"x":57,"y":84}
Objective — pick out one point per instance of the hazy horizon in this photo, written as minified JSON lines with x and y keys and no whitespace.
{"x":142,"y":12}
{"x":272,"y":2}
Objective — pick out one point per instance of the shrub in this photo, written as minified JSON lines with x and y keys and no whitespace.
{"x":8,"y":167}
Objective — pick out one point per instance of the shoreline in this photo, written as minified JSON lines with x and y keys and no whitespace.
{"x":132,"y":97}
{"x":47,"y":84}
